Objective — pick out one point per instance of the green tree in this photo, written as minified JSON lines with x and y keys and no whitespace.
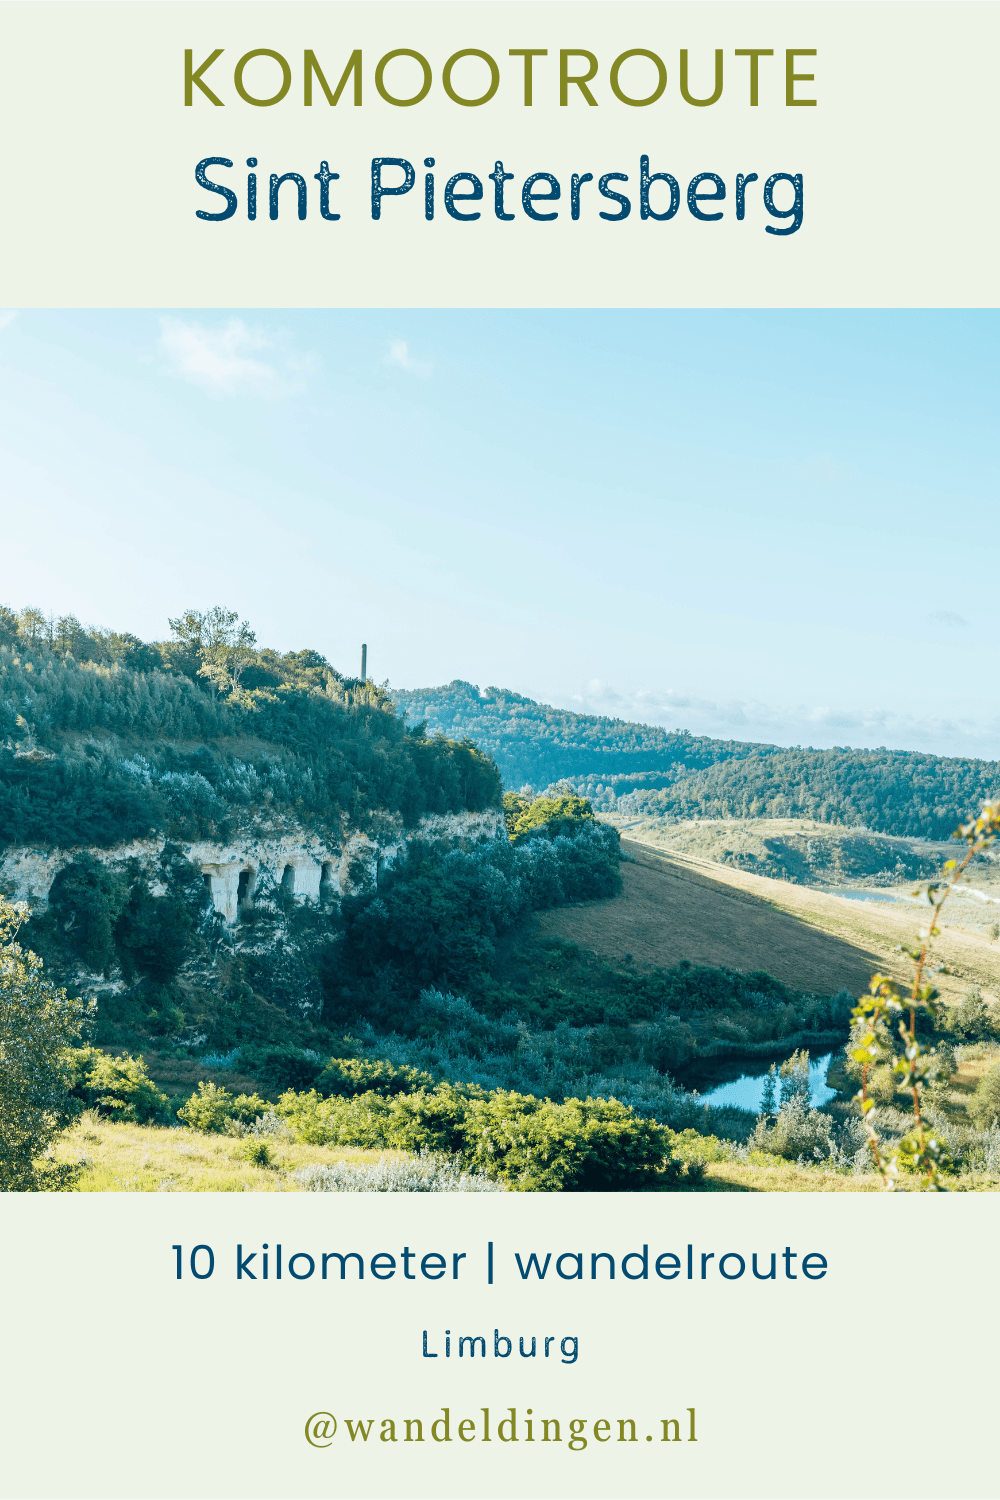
{"x":33,"y":627}
{"x":70,"y":638}
{"x":9,"y":633}
{"x":555,"y":814}
{"x":87,"y":900}
{"x":119,"y":1087}
{"x":225,"y":644}
{"x":37,"y":1022}
{"x":514,"y":806}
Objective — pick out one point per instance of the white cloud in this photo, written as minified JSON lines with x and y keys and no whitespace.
{"x":400,"y":356}
{"x":220,"y":359}
{"x":7,"y":316}
{"x":947,"y":617}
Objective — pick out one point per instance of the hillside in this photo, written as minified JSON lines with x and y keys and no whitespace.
{"x":535,"y":744}
{"x":671,"y":911}
{"x":185,"y":817}
{"x":105,"y":738}
{"x":641,"y":770}
{"x":675,"y":907}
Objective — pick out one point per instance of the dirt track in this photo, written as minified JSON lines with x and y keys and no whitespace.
{"x":672,"y":908}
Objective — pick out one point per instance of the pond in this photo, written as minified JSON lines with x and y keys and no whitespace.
{"x":747,"y":1091}
{"x":854,"y":893}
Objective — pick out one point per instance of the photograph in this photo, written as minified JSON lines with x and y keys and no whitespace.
{"x":499,"y":751}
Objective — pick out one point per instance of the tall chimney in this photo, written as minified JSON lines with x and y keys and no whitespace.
{"x":364,"y":663}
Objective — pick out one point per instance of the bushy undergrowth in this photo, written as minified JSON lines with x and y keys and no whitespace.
{"x":437,"y":916}
{"x":532,"y":1144}
{"x":799,"y":1131}
{"x":346,"y":1076}
{"x":984,"y":1107}
{"x":119,"y":1087}
{"x":214,"y":1109}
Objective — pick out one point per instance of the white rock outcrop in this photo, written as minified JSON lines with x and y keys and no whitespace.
{"x":292,"y":859}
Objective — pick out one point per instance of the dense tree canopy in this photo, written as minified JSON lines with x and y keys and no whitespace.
{"x":105,"y":738}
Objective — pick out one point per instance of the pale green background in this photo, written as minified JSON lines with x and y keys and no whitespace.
{"x":116,"y":1380}
{"x":99,"y":152}
{"x":120,"y":1381}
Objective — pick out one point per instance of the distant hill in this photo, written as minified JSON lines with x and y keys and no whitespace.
{"x":536,"y":744}
{"x":640,"y":768}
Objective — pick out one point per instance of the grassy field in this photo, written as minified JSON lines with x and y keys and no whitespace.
{"x":769,"y":1174}
{"x":678,"y":906}
{"x":123,"y":1158}
{"x":827,"y":857}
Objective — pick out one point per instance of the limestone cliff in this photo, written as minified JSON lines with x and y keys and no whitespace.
{"x":254,"y":960}
{"x":239,"y":874}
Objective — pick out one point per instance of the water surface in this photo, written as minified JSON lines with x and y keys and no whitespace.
{"x":747,"y":1091}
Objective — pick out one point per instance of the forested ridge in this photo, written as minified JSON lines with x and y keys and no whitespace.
{"x":105,"y":738}
{"x":642,"y":769}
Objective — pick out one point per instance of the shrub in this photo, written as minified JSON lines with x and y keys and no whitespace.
{"x":533,"y":1144}
{"x":343,"y":1077}
{"x":119,"y":1087}
{"x":972,"y":1020}
{"x":279,"y":1068}
{"x":255,"y":1151}
{"x":583,"y":1145}
{"x":213,"y":1108}
{"x":431,"y":1119}
{"x":669,"y":1043}
{"x":984,"y":1106}
{"x":358,"y":1121}
{"x":797,"y":1131}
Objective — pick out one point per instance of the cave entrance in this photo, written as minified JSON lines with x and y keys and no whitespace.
{"x":327,"y":883}
{"x":244,"y":892}
{"x":288,"y":881}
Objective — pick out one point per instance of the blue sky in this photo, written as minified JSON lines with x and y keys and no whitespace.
{"x":766,"y":525}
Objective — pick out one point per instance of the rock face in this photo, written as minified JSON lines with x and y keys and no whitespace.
{"x":291,"y":858}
